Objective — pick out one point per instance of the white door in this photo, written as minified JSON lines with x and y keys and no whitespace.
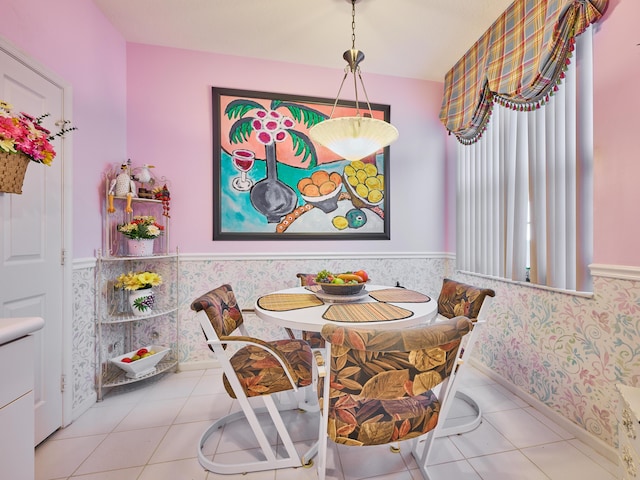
{"x":31,"y":243}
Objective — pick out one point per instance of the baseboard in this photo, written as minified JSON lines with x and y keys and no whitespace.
{"x":585,"y":437}
{"x":198,"y":365}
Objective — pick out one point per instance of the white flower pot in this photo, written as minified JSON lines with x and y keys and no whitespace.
{"x":140,"y":247}
{"x":142,"y":301}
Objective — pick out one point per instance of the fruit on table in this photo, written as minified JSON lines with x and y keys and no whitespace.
{"x":326,"y":276}
{"x":362,"y":274}
{"x":349,"y":277}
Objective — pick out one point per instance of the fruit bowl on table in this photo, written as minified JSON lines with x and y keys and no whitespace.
{"x":342,"y":288}
{"x":143,"y":366}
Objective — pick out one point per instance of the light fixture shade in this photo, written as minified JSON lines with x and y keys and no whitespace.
{"x":354,"y":138}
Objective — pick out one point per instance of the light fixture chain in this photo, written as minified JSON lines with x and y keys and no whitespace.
{"x":353,"y":24}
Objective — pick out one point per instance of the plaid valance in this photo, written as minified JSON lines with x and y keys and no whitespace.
{"x":518,"y":62}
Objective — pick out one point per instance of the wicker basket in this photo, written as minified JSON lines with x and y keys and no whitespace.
{"x":13,"y":166}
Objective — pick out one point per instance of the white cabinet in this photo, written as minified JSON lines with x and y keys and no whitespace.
{"x":118,"y":329}
{"x":16,"y":409}
{"x":628,"y":416}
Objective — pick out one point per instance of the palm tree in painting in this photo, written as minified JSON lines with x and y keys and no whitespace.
{"x":270,"y":196}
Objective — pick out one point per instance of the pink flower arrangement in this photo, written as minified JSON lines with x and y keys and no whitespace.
{"x":24,"y":133}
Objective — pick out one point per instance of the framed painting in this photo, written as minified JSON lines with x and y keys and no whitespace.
{"x":272,"y":182}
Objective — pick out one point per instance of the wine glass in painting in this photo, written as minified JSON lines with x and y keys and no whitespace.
{"x":243,"y":162}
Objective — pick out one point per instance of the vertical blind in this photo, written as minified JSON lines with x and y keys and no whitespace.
{"x":525,"y":188}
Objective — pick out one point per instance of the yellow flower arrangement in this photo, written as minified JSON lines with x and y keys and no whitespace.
{"x":138,"y":280}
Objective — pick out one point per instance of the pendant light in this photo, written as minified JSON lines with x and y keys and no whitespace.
{"x":358,"y":136}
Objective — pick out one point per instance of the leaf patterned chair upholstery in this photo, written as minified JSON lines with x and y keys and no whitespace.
{"x":377,"y":386}
{"x":252,"y":368}
{"x":456,"y":299}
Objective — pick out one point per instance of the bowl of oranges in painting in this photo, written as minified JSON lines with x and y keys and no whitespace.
{"x":321,"y":189}
{"x":364,"y":183}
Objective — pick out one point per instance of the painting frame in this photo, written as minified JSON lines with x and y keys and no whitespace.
{"x":249,"y":202}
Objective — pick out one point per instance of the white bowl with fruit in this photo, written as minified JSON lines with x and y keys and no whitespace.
{"x":348,"y":283}
{"x":142,"y":361}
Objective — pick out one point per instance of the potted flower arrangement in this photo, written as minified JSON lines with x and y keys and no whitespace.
{"x":139,"y":284}
{"x":141,"y":231}
{"x":23,"y":139}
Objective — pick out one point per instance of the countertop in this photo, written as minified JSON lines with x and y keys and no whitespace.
{"x":13,"y":328}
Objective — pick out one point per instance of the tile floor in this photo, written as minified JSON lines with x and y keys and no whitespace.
{"x":149,"y":431}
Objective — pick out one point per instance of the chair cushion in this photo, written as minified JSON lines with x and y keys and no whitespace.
{"x":307,"y":279}
{"x":381,"y":381}
{"x":355,"y":421}
{"x":461,"y":299}
{"x":260,"y":373}
{"x":222,"y":309}
{"x":314,"y":339}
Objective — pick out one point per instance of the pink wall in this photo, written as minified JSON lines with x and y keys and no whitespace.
{"x":170,"y":126}
{"x":616,"y":130}
{"x":73,"y":39}
{"x":168,"y":112}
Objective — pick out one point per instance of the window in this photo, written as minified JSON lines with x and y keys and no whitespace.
{"x":532,"y":166}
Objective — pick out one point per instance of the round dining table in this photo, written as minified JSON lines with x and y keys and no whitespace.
{"x":312,"y":318}
{"x":419,"y":310}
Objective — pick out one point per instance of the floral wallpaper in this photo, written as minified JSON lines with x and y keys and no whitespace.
{"x":83,"y":342}
{"x":566,"y":351}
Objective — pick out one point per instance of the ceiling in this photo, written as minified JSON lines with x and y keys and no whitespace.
{"x":407,"y":38}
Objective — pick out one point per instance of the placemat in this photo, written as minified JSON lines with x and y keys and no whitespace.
{"x":399,"y":295}
{"x":365,"y":312}
{"x":313,"y":288}
{"x":280,"y":302}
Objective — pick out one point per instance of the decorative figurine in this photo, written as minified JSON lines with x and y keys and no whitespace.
{"x":162,"y":193}
{"x":144,"y":176}
{"x":122,"y":186}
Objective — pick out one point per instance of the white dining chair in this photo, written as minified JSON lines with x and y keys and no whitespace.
{"x":379,"y":386}
{"x":254,"y":369}
{"x":457,"y":298}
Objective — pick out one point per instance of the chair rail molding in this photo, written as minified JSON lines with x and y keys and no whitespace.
{"x":194,"y":257}
{"x":82,"y":263}
{"x":621,"y":272}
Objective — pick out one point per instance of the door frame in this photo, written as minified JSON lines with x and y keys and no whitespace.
{"x":66,"y":152}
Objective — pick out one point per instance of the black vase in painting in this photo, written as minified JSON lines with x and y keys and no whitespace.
{"x":271,"y":197}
